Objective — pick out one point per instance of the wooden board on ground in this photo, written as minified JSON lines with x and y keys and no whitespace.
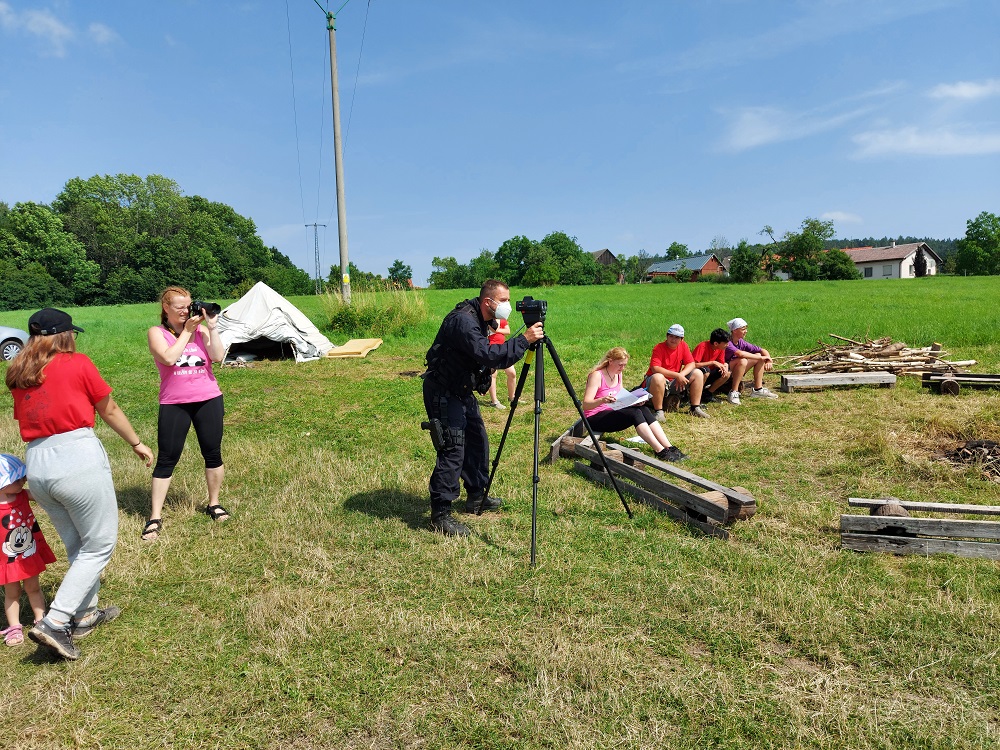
{"x":355,"y":348}
{"x":722,"y":505}
{"x":905,"y":535}
{"x":955,"y":508}
{"x":826,"y":379}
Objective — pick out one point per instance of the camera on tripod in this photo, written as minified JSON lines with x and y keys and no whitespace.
{"x":532,"y":310}
{"x":210,"y":309}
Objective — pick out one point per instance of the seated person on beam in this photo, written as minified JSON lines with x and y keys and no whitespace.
{"x":710,"y":358}
{"x":672,"y":373}
{"x":741,"y":356}
{"x":604,"y":384}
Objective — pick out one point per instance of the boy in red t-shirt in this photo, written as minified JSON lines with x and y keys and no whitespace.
{"x":710,"y":358}
{"x":672,"y":370}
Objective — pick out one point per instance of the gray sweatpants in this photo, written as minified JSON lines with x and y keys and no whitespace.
{"x":70,"y":477}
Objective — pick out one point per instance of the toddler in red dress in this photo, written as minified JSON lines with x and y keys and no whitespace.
{"x":24,"y":552}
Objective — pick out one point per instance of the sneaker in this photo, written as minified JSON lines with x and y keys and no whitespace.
{"x":478,"y":503}
{"x":697,"y":411}
{"x":762,"y":393}
{"x":497,"y":405}
{"x":445,"y":523}
{"x":707,"y":397}
{"x":660,"y":416}
{"x":734,"y":397}
{"x":673,"y":454}
{"x":57,"y":639}
{"x":88,"y":626}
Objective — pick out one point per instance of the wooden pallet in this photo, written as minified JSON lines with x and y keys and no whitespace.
{"x":900,"y":535}
{"x":708,"y":511}
{"x":826,"y":379}
{"x":950,"y":383}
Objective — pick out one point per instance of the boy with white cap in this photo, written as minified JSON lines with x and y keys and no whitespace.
{"x":672,"y":364}
{"x":741,"y":356}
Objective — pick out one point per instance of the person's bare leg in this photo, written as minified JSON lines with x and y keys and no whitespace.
{"x":511,"y":383}
{"x":696,"y":383}
{"x":646,"y":433}
{"x":493,"y":387}
{"x":213,"y":478}
{"x":737,"y":368}
{"x":758,"y":375}
{"x":659,"y":434}
{"x":158,"y":496}
{"x":657,"y":387}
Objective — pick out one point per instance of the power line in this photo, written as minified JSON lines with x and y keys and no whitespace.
{"x":295,"y":114}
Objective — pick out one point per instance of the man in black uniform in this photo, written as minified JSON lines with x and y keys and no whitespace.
{"x":459,"y":363}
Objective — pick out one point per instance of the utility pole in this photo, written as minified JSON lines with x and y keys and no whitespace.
{"x":345,"y":276}
{"x":319,"y":283}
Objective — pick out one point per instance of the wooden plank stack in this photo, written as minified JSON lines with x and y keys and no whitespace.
{"x":903,"y":535}
{"x":792,"y":381}
{"x":641,"y":477}
{"x":879,"y":355}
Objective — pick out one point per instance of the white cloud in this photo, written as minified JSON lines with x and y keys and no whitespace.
{"x":758,"y":126}
{"x":102,"y":34}
{"x":967,"y":90}
{"x":939,"y":142}
{"x":841,"y":217}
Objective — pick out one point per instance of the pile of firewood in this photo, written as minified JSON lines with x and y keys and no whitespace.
{"x":872,"y":356}
{"x":985,"y":453}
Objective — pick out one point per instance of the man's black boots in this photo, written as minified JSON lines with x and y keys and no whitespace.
{"x":478,"y":503}
{"x":444,"y":522}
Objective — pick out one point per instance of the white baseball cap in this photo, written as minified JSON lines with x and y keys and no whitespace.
{"x":676,"y":330}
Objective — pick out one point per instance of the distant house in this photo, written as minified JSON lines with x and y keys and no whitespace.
{"x":701,"y":265}
{"x":603,"y":257}
{"x":893,"y":261}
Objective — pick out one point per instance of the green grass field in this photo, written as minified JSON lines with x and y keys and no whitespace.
{"x":326,"y":614}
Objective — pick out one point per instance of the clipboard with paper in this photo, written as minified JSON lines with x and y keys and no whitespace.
{"x":626,"y":399}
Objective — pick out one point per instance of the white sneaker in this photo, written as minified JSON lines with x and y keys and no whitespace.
{"x":734,"y":397}
{"x":762,"y":393}
{"x":498,"y":405}
{"x":659,"y":415}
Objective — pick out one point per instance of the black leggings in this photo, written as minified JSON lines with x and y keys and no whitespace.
{"x":616,"y":421}
{"x":172,"y":429}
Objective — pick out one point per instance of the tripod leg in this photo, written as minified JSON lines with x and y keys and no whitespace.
{"x":510,"y":419}
{"x":579,"y":407}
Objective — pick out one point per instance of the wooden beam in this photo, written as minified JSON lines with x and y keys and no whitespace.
{"x":943,"y":527}
{"x":648,"y":498}
{"x":659,"y":486}
{"x":908,"y":545}
{"x":978,"y":510}
{"x":826,"y":379}
{"x":732,"y":495}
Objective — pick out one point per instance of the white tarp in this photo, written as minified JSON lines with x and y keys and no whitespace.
{"x":262,"y":313}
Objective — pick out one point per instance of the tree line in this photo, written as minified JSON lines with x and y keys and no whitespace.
{"x":808,"y":253}
{"x":123,"y":238}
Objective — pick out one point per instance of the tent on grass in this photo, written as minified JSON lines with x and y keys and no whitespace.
{"x":262,"y":323}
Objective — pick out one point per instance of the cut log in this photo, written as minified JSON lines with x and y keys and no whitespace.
{"x":950,"y":387}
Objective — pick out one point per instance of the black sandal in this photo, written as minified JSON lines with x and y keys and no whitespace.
{"x":151,"y":531}
{"x":217,"y":513}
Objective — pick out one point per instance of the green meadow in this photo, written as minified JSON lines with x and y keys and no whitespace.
{"x":325,"y":614}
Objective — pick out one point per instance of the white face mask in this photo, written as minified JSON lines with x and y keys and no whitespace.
{"x":502,"y":311}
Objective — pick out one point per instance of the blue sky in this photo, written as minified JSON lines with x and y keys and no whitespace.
{"x":628,"y":125}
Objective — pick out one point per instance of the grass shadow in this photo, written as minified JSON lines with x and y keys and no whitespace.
{"x":413,"y":510}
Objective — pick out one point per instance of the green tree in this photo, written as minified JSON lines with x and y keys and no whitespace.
{"x":511,"y":259}
{"x":448,"y":273}
{"x":30,"y":287}
{"x":684,"y":274}
{"x":676,"y":251}
{"x":800,"y":251}
{"x":360,"y":280}
{"x":400,"y":274}
{"x":835,"y":265}
{"x":31,"y":233}
{"x":920,"y":263}
{"x":745,"y":264}
{"x":979,"y":251}
{"x":483,"y":267}
{"x":543,"y":270}
{"x":576,"y":267}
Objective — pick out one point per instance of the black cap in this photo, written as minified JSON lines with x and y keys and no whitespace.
{"x":51,"y":321}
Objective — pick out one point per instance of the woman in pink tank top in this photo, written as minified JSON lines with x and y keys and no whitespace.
{"x":604,"y":384}
{"x":184,"y":351}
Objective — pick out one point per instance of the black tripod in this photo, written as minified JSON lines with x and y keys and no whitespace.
{"x":536,"y":349}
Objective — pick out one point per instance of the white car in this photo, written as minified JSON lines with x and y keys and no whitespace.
{"x":12,"y":340}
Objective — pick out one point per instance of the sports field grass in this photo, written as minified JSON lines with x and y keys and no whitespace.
{"x":326,"y":614}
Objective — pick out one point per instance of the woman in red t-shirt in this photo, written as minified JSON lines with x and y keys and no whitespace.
{"x":56,"y":394}
{"x":498,"y":337}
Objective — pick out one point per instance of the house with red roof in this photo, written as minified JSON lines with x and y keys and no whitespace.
{"x":893,"y":261}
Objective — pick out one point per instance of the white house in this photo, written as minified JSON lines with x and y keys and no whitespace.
{"x":892,"y":262}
